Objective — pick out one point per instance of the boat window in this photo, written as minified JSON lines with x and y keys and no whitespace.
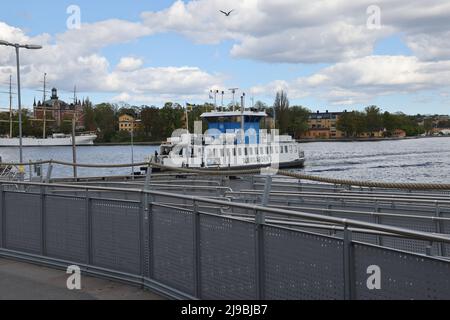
{"x":282,"y":150}
{"x":285,"y":149}
{"x":267,"y":150}
{"x":290,"y":149}
{"x":215,"y":152}
{"x":234,"y":152}
{"x":222,"y":153}
{"x":246,"y":151}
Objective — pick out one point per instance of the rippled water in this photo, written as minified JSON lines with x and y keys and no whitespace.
{"x":422,"y":160}
{"x":418,"y":160}
{"x":85,"y":154}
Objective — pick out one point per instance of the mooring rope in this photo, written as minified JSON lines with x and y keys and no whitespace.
{"x":268,"y":170}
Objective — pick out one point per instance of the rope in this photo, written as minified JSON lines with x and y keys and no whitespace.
{"x":218,"y":172}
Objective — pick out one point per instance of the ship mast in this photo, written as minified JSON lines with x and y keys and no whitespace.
{"x":44,"y":125}
{"x":10,"y":108}
{"x":233,"y":91}
{"x":44,"y":108}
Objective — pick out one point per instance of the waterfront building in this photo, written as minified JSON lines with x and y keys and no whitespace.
{"x":323,"y":125}
{"x":129,"y":123}
{"x":59,"y":110}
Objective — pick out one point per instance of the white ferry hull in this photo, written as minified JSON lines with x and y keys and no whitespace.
{"x":295,"y":164}
{"x":49,"y":142}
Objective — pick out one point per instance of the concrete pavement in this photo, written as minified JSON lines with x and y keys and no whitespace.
{"x":23,"y":281}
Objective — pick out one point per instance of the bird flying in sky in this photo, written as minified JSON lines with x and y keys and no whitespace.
{"x":227,"y":13}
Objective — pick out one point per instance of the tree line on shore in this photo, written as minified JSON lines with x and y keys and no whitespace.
{"x":372,"y":120}
{"x":158,"y":123}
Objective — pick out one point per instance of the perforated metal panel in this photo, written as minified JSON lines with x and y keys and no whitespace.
{"x":445,"y":228}
{"x":302,"y":266}
{"x":66,"y":228}
{"x":116,"y":235}
{"x":23,"y":222}
{"x":228,"y":259}
{"x":404,"y":276}
{"x":408,"y":244}
{"x":172,"y":243}
{"x":364,"y":237}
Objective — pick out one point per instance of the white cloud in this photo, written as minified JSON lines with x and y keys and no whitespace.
{"x":301,"y":31}
{"x":361,"y":80}
{"x":332,"y":32}
{"x":74,"y":58}
{"x":129,"y":64}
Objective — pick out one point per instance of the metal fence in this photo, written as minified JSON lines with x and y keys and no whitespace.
{"x":184,"y":247}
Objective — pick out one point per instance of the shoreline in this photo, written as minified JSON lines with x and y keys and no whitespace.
{"x":158,"y":143}
{"x":367,"y":139}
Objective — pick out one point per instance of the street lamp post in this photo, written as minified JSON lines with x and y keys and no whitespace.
{"x":18,"y":46}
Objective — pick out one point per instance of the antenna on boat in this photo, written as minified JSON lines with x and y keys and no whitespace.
{"x":242,"y":116}
{"x":233,"y":91}
{"x":223,"y":93}
{"x":215,"y":92}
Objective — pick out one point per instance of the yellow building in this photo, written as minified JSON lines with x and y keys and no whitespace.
{"x":129,"y":123}
{"x":323,"y":125}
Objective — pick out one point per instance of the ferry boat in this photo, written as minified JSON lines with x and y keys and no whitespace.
{"x":233,"y":141}
{"x":56,"y":140}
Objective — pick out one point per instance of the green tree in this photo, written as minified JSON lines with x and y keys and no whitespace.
{"x":298,"y":121}
{"x":281,"y":106}
{"x":89,"y":118}
{"x":106,"y":120}
{"x":373,"y":118}
{"x":428,"y":125}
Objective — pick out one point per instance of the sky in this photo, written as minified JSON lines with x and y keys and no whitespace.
{"x":326,"y":54}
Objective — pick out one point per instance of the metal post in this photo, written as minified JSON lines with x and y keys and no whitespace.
{"x":30,"y":167}
{"x":20,"y":105}
{"x":43,"y":222}
{"x":377,"y":219}
{"x":267,"y":190}
{"x":143,"y":238}
{"x":260,"y":219}
{"x":132,"y":149}
{"x":89,"y":249}
{"x":150,"y":241}
{"x":74,"y":148}
{"x":49,"y":172}
{"x":197,"y":253}
{"x":10,"y":108}
{"x":146,"y":235}
{"x":148,"y":177}
{"x":441,"y":245}
{"x":348,"y":264}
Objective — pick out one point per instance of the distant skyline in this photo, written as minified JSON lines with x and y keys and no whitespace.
{"x":327,"y":55}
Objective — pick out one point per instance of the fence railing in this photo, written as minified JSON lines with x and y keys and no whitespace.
{"x":174,"y":244}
